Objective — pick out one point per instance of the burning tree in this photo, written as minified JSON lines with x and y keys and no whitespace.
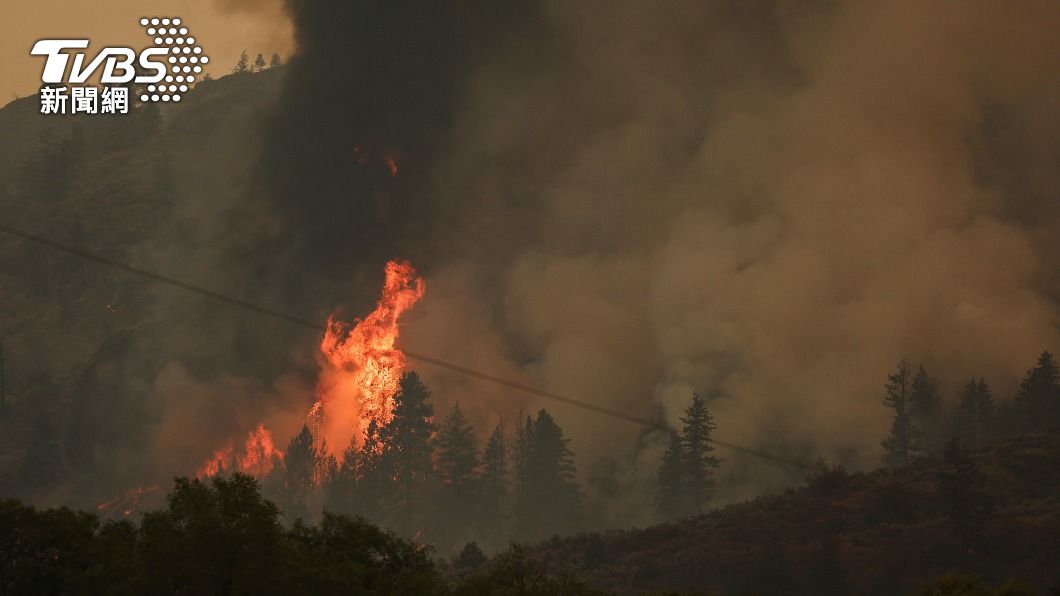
{"x":361,"y":372}
{"x":363,"y":367}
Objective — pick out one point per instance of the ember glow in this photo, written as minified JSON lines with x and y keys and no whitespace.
{"x":128,"y":503}
{"x":361,"y":368}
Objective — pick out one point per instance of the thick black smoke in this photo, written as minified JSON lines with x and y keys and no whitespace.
{"x":369,"y":99}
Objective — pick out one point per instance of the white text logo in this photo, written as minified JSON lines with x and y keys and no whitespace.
{"x":161,"y":72}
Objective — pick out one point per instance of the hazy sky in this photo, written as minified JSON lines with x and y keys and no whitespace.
{"x":225,"y":28}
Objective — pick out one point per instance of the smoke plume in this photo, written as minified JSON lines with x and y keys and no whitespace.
{"x":767,"y":202}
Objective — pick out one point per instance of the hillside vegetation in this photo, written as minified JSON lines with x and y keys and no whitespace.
{"x":993,"y":512}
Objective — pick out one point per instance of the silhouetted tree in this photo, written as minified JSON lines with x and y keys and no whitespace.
{"x":549,"y":500}
{"x":457,"y":456}
{"x":214,"y":537}
{"x":975,"y":413}
{"x":243,"y":65}
{"x":493,"y":486}
{"x":303,"y":463}
{"x":374,"y":477}
{"x":350,"y":556}
{"x":901,"y":445}
{"x":521,"y":459}
{"x":697,"y":446}
{"x":1038,"y":397}
{"x":275,"y":61}
{"x":44,"y":552}
{"x":925,"y":411}
{"x":457,"y":467}
{"x":343,"y":484}
{"x":406,"y":456}
{"x":670,"y":496}
{"x":219,"y":538}
{"x":259,"y":63}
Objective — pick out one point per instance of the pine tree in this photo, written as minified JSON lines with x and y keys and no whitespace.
{"x":275,"y":61}
{"x":699,"y":464}
{"x":342,"y":486}
{"x":901,"y":445}
{"x":670,"y":495}
{"x":457,"y":468}
{"x":457,"y":457}
{"x":406,"y":455}
{"x":975,"y":413}
{"x":303,"y":461}
{"x":493,"y":489}
{"x":966,"y":425}
{"x":521,"y":459}
{"x":925,"y":409}
{"x":549,"y":499}
{"x":259,"y":63}
{"x":1038,"y":397}
{"x":372,"y":476}
{"x":244,"y":63}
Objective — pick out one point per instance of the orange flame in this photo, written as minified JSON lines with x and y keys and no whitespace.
{"x":360,"y":375}
{"x":259,"y":456}
{"x":259,"y":453}
{"x":364,"y":367}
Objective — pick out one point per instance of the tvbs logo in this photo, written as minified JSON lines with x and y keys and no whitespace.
{"x":161,"y":72}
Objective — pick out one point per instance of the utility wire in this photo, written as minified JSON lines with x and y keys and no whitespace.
{"x":269,"y":312}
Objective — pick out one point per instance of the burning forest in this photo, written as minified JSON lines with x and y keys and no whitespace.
{"x":728,"y":297}
{"x":360,"y":371}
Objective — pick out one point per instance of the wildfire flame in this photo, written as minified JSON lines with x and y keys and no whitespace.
{"x":360,"y":374}
{"x":258,"y":458}
{"x":363,"y":366}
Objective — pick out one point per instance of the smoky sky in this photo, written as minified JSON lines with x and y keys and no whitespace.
{"x":767,"y":202}
{"x":372,"y":87}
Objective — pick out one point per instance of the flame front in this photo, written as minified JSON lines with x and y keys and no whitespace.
{"x":363,"y":367}
{"x":360,"y":373}
{"x":257,"y":459}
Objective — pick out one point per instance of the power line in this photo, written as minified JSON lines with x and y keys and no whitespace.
{"x":282,"y":316}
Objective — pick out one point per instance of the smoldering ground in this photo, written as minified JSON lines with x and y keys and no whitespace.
{"x":767,"y":202}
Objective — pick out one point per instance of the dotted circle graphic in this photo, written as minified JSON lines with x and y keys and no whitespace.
{"x":168,"y":33}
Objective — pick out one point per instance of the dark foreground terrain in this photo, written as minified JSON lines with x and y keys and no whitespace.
{"x":993,"y":512}
{"x":971,"y":523}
